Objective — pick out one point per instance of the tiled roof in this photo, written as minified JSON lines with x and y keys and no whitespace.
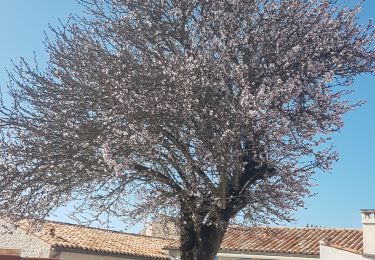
{"x":100,"y":240}
{"x":298,"y":241}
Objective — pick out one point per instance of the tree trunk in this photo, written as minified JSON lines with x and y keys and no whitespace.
{"x":202,"y":242}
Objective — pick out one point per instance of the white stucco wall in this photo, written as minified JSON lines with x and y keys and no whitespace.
{"x":30,"y":245}
{"x":369,"y":238}
{"x":263,"y":257}
{"x":83,"y":256}
{"x":330,"y":253}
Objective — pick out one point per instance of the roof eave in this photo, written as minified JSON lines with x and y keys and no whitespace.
{"x":61,"y":248}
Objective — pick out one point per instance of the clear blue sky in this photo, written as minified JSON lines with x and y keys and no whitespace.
{"x":341,"y":195}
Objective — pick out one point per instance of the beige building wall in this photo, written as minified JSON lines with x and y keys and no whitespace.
{"x":30,"y":245}
{"x":162,"y":228}
{"x":368,"y":221}
{"x":82,"y":256}
{"x":330,"y":253}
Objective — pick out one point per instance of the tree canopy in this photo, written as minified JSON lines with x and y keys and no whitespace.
{"x":209,"y":111}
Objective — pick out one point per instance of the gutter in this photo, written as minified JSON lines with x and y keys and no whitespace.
{"x":263,"y":257}
{"x":61,"y":249}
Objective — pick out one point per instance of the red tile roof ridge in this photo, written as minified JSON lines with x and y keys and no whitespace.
{"x":98,"y":228}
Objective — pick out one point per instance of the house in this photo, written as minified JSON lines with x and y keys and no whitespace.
{"x":330,"y":250}
{"x":281,"y":243}
{"x":76,"y":242}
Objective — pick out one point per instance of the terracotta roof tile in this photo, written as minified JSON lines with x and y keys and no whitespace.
{"x":300,"y":241}
{"x":100,"y":240}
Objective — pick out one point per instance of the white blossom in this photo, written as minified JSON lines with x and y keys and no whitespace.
{"x":208,"y":111}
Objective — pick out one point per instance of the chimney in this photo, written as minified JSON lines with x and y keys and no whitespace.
{"x":368,"y":221}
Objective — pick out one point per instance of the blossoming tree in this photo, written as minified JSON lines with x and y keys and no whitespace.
{"x":209,"y":111}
